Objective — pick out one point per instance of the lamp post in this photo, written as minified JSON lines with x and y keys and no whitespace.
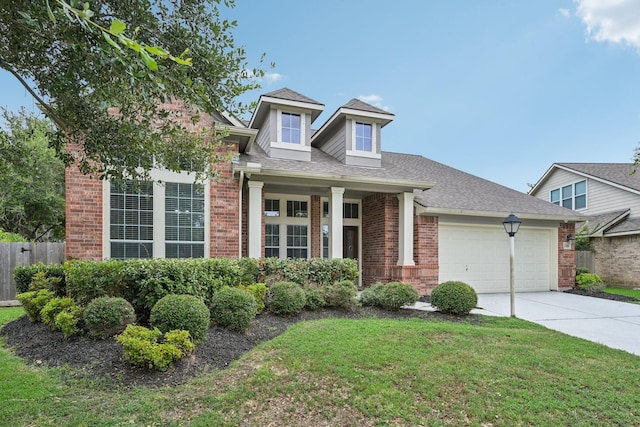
{"x":511,"y":226}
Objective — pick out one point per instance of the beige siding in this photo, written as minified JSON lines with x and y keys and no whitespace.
{"x":264,"y":134}
{"x":601,"y":197}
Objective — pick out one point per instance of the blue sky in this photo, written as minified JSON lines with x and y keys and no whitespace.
{"x":499,"y":89}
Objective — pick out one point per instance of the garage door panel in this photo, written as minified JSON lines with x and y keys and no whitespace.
{"x":480,"y":256}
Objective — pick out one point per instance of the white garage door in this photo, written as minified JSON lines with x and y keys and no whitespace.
{"x":479,"y":256}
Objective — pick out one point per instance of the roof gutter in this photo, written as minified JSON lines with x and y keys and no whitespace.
{"x":497,"y":214}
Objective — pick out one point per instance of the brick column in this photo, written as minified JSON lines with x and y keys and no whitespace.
{"x":566,"y":257}
{"x":316,"y":227}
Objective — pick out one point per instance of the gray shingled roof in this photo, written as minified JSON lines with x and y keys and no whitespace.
{"x":629,"y":225}
{"x":357,"y":104}
{"x":619,"y":173}
{"x":454,"y":190}
{"x":291,"y":95}
{"x":598,"y":222}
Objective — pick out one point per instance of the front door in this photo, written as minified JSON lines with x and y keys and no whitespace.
{"x":350,"y":242}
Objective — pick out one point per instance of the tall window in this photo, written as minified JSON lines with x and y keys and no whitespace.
{"x":296,"y":241}
{"x":325,"y":241}
{"x":363,"y":137}
{"x":184,"y":220}
{"x":131,"y":224}
{"x":572,"y":196}
{"x":272,"y":240}
{"x":291,"y":128}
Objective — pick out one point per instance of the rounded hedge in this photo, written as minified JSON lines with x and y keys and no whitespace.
{"x":371,"y":295}
{"x":314,"y":299}
{"x":394,"y":295}
{"x":185,"y":312}
{"x":105,"y":317}
{"x":454,"y":297}
{"x":286,"y":298}
{"x":233,"y":308}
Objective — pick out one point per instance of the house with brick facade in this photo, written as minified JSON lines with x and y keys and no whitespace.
{"x":609,"y":194}
{"x":298,"y":189}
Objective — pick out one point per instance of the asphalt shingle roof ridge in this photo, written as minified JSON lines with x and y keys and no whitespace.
{"x":358,"y":104}
{"x":291,"y":95}
{"x":618,"y":173}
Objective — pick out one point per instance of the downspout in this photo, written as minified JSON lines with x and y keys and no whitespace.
{"x":240,"y":214}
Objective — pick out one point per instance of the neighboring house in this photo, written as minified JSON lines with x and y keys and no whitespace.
{"x":609,"y":194}
{"x":332,"y":192}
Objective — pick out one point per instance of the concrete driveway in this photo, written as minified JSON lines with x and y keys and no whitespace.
{"x":612,"y":323}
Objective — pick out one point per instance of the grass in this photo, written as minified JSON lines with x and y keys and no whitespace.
{"x":633,"y":293}
{"x":503,"y":372}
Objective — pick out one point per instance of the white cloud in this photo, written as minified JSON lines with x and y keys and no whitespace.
{"x":614,"y":21}
{"x":564,"y":12}
{"x":273,"y":77}
{"x":375,"y":100}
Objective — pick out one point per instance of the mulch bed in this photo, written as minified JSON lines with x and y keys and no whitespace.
{"x":603,"y":295}
{"x":39,"y":345}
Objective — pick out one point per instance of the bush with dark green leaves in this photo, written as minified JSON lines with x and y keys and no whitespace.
{"x":148,"y":348}
{"x":341,"y":294}
{"x":590,"y":282}
{"x":286,"y":298}
{"x":454,"y":297}
{"x":185,"y":312}
{"x":105,"y":317}
{"x":259,"y":292}
{"x":23,"y":277}
{"x":67,"y":321}
{"x":34,"y":301}
{"x":314,"y":298}
{"x":233,"y":308}
{"x":394,"y":295}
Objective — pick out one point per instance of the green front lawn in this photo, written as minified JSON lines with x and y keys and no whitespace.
{"x":503,"y":372}
{"x":633,"y":293}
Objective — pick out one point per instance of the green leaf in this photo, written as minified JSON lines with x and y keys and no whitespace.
{"x":110,"y":41}
{"x":157,"y":51}
{"x":148,"y":60}
{"x":117,"y":27}
{"x":50,"y":13}
{"x":183,"y":61}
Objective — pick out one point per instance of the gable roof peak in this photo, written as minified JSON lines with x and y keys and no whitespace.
{"x":291,"y":95}
{"x":357,"y":104}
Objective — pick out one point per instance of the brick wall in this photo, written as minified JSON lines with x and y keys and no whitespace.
{"x":617,"y":259}
{"x":224,"y":219}
{"x":83,"y":214}
{"x":566,"y":257}
{"x":379,"y":237}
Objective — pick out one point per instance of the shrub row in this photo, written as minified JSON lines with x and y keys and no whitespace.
{"x":391,"y":296}
{"x":24,"y":275}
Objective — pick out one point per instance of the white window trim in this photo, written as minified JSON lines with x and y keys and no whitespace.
{"x":573,"y":194}
{"x":158,"y":211}
{"x":279,"y":143}
{"x":352,"y":151}
{"x":283,"y":220}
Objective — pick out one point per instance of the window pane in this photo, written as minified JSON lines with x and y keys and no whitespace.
{"x":567,"y":203}
{"x":567,"y":192}
{"x":363,"y":137}
{"x":291,"y":128}
{"x":297,"y":209}
{"x":581,"y":187}
{"x":184,"y":220}
{"x":272,"y":207}
{"x":555,"y":196}
{"x":581,"y":202}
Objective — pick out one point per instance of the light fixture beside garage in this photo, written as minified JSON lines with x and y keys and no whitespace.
{"x":511,"y":226}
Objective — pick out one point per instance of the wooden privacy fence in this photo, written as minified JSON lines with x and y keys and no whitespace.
{"x":13,"y":255}
{"x":587,"y":260}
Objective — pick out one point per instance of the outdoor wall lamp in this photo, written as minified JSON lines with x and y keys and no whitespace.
{"x":570,"y":238}
{"x":511,"y":226}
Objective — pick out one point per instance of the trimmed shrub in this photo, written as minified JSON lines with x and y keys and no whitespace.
{"x":394,"y":295}
{"x":249,"y":270}
{"x":371,"y":295}
{"x":142,"y":348}
{"x":313,"y":271}
{"x":590,"y":282}
{"x":454,"y":297}
{"x":34,"y":301}
{"x":23,"y":277}
{"x":186,"y":312}
{"x":88,"y":280}
{"x":67,"y":321}
{"x":341,"y":294}
{"x":286,"y":298}
{"x":105,"y":317}
{"x":314,"y":299}
{"x":259,"y":292}
{"x":54,"y":307}
{"x":233,"y":308}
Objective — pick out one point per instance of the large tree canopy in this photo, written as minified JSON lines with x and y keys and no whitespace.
{"x":31,"y":178}
{"x":83,"y":61}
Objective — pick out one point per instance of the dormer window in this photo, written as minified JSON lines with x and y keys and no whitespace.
{"x":291,"y":128}
{"x":363,"y":137}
